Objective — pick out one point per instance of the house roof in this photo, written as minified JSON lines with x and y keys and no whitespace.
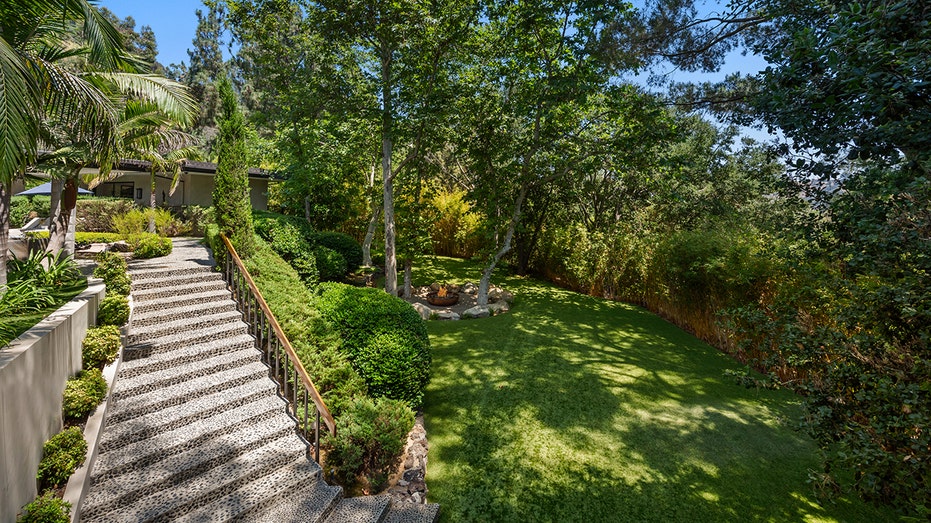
{"x":189,"y":166}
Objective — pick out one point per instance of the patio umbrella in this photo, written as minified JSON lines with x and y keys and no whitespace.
{"x":45,"y":190}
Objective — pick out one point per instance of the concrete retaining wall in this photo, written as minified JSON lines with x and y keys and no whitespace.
{"x":33,"y":371}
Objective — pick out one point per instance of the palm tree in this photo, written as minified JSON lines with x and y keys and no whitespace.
{"x":34,"y":85}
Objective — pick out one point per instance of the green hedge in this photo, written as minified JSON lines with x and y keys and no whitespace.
{"x":100,"y":346}
{"x":47,"y":508}
{"x":114,"y":310}
{"x":61,"y":456}
{"x":83,"y":393}
{"x":147,"y":245}
{"x":384,"y":338}
{"x":344,"y":244}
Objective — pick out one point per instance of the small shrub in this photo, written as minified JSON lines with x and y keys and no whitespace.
{"x":96,"y":237}
{"x":108,"y":265}
{"x":196,"y":219}
{"x":147,"y":245}
{"x":100,"y":346}
{"x":83,"y":393}
{"x":24,"y":208}
{"x":344,"y":244}
{"x":370,"y":437}
{"x":47,"y":508}
{"x":114,"y":310}
{"x":61,"y":456}
{"x":47,"y":269}
{"x":330,"y":264}
{"x":130,"y":223}
{"x":290,"y":240}
{"x":364,"y":317}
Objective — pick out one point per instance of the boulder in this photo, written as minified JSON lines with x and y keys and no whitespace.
{"x":423,"y":310}
{"x":476,"y":312}
{"x":498,"y":308}
{"x":434,"y":286}
{"x":496,"y":294}
{"x":447,"y":316}
{"x":469,"y":288}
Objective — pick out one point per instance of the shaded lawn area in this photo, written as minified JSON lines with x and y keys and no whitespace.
{"x":572,"y":408}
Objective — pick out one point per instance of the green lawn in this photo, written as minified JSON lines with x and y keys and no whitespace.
{"x":572,"y":408}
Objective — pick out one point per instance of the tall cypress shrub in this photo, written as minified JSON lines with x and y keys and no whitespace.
{"x":231,"y":191}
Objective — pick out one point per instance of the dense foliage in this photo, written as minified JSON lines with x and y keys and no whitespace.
{"x":148,"y":245}
{"x":232,"y":207}
{"x":83,"y":393}
{"x":100,"y":347}
{"x":62,"y":454}
{"x":111,"y":268}
{"x":113,"y":310}
{"x":47,"y":508}
{"x":384,"y":338}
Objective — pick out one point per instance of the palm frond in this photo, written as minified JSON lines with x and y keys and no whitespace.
{"x":171,"y":97}
{"x":20,"y":103}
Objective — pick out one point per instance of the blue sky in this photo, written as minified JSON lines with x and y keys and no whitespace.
{"x":173,"y":21}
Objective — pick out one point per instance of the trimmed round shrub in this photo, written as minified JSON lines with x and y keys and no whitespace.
{"x":47,"y":508}
{"x":331,"y":264}
{"x":61,"y":456}
{"x":83,"y":393}
{"x":344,"y":244}
{"x":100,"y":346}
{"x":380,"y":331}
{"x":111,"y":268}
{"x":370,"y":437}
{"x":114,"y":310}
{"x":148,"y":245}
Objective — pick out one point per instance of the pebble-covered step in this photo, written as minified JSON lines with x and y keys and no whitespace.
{"x":185,"y":355}
{"x":187,"y":375}
{"x":365,"y":509}
{"x":413,"y":513}
{"x":178,"y":340}
{"x":167,"y":314}
{"x":264,"y":413}
{"x":167,"y":503}
{"x":179,"y":300}
{"x":190,"y":323}
{"x":166,"y":272}
{"x":184,"y":413}
{"x":168,"y":290}
{"x":174,"y":280}
{"x":290,"y":495}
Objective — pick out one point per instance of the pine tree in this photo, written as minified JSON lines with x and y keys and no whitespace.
{"x":231,"y":191}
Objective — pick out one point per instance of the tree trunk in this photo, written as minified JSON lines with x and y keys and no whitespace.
{"x":307,"y":208}
{"x":56,"y":235}
{"x":505,"y":247}
{"x":408,"y":266}
{"x":152,"y":203}
{"x":387,"y":146}
{"x":6,"y":189}
{"x":370,"y":235}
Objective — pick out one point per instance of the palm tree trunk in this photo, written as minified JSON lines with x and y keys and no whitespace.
{"x":152,"y":203}
{"x":61,"y":221}
{"x":54,"y":227}
{"x":6,"y":188}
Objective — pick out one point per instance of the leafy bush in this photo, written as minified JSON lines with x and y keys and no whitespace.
{"x":111,"y":267}
{"x":456,"y":231}
{"x":331,"y":264}
{"x":61,"y":456}
{"x":146,"y":245}
{"x":370,"y":437}
{"x":24,"y":208}
{"x":47,"y":269}
{"x":345,"y":245}
{"x":136,"y":222}
{"x":96,"y":214}
{"x":366,"y":317}
{"x":100,"y":346}
{"x":47,"y":508}
{"x":114,"y":310}
{"x":290,"y":239}
{"x":83,"y":393}
{"x":196,"y":219}
{"x":96,"y":237}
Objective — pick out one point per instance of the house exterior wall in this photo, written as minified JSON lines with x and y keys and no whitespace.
{"x":193,"y":189}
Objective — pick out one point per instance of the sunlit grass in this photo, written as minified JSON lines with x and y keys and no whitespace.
{"x":572,"y":408}
{"x":14,"y":325}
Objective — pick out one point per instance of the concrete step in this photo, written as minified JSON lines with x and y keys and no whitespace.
{"x":186,"y":373}
{"x":304,"y":503}
{"x":142,"y":400}
{"x":363,"y":509}
{"x":178,"y":340}
{"x":283,"y":496}
{"x":171,"y":291}
{"x":180,"y":300}
{"x":173,"y":280}
{"x":169,"y":502}
{"x":168,"y":314}
{"x":185,"y":355}
{"x":124,"y":489}
{"x":264,"y":413}
{"x":182,"y":414}
{"x":413,"y":513}
{"x":140,"y":335}
{"x":166,"y":272}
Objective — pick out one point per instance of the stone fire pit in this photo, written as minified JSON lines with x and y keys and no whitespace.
{"x":451,"y":298}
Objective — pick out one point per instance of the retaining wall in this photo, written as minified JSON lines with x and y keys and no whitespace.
{"x":33,"y":371}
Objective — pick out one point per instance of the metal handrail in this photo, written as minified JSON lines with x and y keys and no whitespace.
{"x":285,"y":367}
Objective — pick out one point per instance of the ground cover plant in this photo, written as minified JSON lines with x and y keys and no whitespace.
{"x":573,"y":408}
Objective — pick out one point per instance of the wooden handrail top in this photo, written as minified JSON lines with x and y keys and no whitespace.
{"x":285,"y":343}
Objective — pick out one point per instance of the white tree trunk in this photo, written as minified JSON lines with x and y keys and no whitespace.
{"x":408,"y":265}
{"x":56,"y":235}
{"x":485,"y":282}
{"x":370,"y":235}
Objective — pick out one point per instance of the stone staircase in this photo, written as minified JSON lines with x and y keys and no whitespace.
{"x":195,"y":430}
